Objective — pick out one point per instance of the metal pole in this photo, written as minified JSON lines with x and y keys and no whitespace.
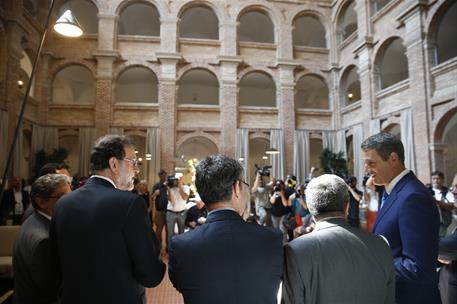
{"x":24,"y":103}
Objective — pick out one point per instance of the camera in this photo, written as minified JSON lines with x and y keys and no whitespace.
{"x":263,"y":171}
{"x":171,"y":181}
{"x":277,"y":187}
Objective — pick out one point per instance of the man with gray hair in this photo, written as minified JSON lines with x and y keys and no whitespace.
{"x":336,"y":263}
{"x":32,"y":263}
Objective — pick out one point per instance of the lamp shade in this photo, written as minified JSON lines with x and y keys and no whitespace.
{"x":67,"y":25}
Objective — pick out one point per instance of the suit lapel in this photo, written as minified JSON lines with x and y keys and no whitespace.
{"x":389,"y":202}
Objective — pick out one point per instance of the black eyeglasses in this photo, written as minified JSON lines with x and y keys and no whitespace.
{"x":133,"y":162}
{"x":247,"y":185}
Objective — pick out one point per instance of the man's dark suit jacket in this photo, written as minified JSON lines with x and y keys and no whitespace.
{"x":410,"y":222}
{"x":8,"y":204}
{"x":448,"y":273}
{"x":106,"y":248}
{"x":227,"y":260}
{"x":32,"y":262}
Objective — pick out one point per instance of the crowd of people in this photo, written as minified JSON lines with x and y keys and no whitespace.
{"x":102,"y":242}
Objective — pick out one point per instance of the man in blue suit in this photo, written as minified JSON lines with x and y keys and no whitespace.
{"x":226,"y":260}
{"x":408,"y":219}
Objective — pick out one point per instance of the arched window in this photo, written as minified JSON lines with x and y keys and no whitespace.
{"x":379,"y":4}
{"x":24,"y":74}
{"x":74,"y":84}
{"x":309,"y":31}
{"x":446,"y":36}
{"x":140,"y":19}
{"x":136,"y":84}
{"x":351,"y":86}
{"x":256,"y":26}
{"x":198,"y":86}
{"x":311,"y":93}
{"x":199,"y":22}
{"x":257,"y":89}
{"x":393,"y":64}
{"x":347,"y":21}
{"x":85,"y":12}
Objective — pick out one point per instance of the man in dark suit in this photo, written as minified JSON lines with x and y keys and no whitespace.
{"x":15,"y":201}
{"x":448,"y":256}
{"x":102,"y":234}
{"x":32,"y":262}
{"x":336,"y":263}
{"x":226,"y":260}
{"x":408,"y":219}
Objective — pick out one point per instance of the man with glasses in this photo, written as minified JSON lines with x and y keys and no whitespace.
{"x":242,"y":263}
{"x":101,"y":232}
{"x":31,"y":259}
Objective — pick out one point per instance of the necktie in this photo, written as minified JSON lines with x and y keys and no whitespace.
{"x":384,"y":198}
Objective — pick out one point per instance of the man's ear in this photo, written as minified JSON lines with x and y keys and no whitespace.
{"x":394,"y":157}
{"x":236,"y":188}
{"x":113,"y":163}
{"x":40,"y":202}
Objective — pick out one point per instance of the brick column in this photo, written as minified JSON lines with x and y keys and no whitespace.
{"x":286,"y":107}
{"x":168,"y":34}
{"x":43,"y":86}
{"x":438,"y":151}
{"x":228,"y":105}
{"x":413,"y":19}
{"x":227,"y":36}
{"x":284,"y":42}
{"x":334,"y":97}
{"x":167,"y":110}
{"x":103,"y":92}
{"x":107,"y":37}
{"x":365,"y":53}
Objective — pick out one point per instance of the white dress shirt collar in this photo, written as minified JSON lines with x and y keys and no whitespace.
{"x":105,"y":178}
{"x":393,"y":182}
{"x":44,"y":214}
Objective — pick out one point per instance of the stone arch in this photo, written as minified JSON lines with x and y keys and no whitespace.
{"x":67,"y":62}
{"x":200,"y":89}
{"x":206,"y":30}
{"x":445,"y":12}
{"x":344,"y":24}
{"x":152,"y":29}
{"x":350,"y":90}
{"x":203,"y":66}
{"x":319,"y":18}
{"x":261,"y":69}
{"x":257,"y":85}
{"x":154,"y":67}
{"x":390,"y":63}
{"x":67,"y":91}
{"x":161,"y":6}
{"x":197,"y":134}
{"x":442,"y":121}
{"x":144,"y":86}
{"x":85,"y":11}
{"x":319,"y":100}
{"x":262,"y":9}
{"x":444,"y":141}
{"x":215,"y":6}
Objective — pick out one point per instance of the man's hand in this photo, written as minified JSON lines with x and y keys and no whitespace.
{"x":446,"y":262}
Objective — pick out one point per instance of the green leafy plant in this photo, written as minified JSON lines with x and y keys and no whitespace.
{"x":333,"y":163}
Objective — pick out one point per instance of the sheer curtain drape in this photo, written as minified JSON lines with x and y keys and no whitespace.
{"x":153,"y":148}
{"x":3,"y":141}
{"x":43,"y":138}
{"x":85,"y":143}
{"x":328,"y":140}
{"x":340,"y":142}
{"x":18,"y":154}
{"x":301,"y":154}
{"x":406,"y":129}
{"x":242,"y":150}
{"x":357,"y":138}
{"x":277,"y":161}
{"x":51,"y":139}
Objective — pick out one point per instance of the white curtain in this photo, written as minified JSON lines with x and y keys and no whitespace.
{"x":242,"y":150}
{"x":340,"y":142}
{"x":301,"y":154}
{"x":357,"y":138}
{"x":116,"y":131}
{"x":85,"y":143}
{"x":328,"y":140}
{"x":406,"y":127}
{"x":18,"y":154}
{"x":153,"y":148}
{"x":375,"y":126}
{"x":277,"y":161}
{"x":4,"y":149}
{"x":38,"y":136}
{"x":51,"y":141}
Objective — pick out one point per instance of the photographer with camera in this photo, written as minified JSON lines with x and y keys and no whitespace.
{"x":178,"y":193}
{"x":260,"y":190}
{"x":280,"y":207}
{"x":299,"y":207}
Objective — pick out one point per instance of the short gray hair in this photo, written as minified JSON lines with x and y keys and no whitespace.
{"x":45,"y":185}
{"x":326,"y":193}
